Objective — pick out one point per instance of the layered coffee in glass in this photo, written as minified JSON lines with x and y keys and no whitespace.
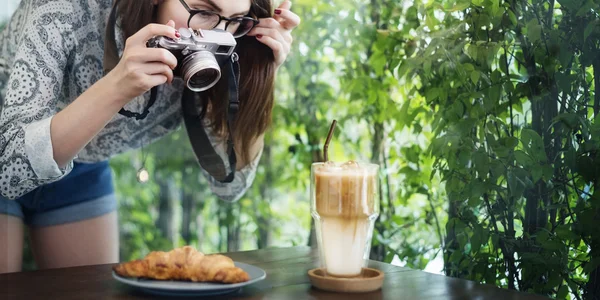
{"x":344,"y":206}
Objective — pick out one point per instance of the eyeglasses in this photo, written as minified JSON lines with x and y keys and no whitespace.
{"x":205,"y":19}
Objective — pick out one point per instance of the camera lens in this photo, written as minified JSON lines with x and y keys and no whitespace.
{"x":200,"y":71}
{"x":203,"y":78}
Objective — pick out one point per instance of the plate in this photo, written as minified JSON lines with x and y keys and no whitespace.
{"x":188,"y":288}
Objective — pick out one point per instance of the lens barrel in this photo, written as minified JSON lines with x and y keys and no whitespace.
{"x":200,"y":71}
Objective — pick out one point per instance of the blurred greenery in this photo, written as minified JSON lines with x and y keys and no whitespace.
{"x":481,"y":113}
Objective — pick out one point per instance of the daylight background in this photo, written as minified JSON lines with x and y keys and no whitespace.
{"x":481,"y":114}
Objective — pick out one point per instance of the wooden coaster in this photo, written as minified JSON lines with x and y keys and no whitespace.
{"x":370,"y":280}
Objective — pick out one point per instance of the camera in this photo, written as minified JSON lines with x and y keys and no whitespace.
{"x":196,"y":52}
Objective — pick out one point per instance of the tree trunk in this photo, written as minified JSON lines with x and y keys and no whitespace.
{"x":544,"y":108}
{"x":451,"y":242}
{"x":378,"y":252}
{"x":593,"y":284}
{"x":189,"y":209}
{"x":166,"y":209}
{"x":263,"y":222}
{"x":233,"y":229}
{"x":317,"y":156}
{"x":200,"y":231}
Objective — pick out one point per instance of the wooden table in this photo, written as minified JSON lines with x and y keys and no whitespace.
{"x":286,"y":279}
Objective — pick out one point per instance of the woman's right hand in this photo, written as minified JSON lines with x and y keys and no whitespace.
{"x":142,"y":68}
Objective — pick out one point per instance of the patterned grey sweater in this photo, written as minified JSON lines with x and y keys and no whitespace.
{"x":50,"y":52}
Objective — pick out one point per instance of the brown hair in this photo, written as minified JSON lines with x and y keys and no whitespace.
{"x":257,"y":77}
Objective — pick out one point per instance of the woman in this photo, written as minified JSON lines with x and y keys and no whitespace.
{"x":59,"y":121}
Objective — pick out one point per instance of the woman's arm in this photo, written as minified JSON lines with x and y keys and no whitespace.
{"x":139,"y":70}
{"x":44,"y":37}
{"x":37,"y":143}
{"x":75,"y":126}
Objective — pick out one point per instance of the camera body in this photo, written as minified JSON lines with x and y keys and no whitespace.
{"x":196,"y":52}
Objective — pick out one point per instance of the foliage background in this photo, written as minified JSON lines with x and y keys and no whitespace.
{"x":480,"y":112}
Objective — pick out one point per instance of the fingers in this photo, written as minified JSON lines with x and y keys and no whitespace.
{"x":287,"y":18}
{"x":159,"y":69}
{"x":272,"y":43}
{"x":276,"y":32}
{"x":151,"y":30}
{"x":269,"y":23}
{"x":285,"y":5}
{"x":155,"y":55}
{"x":155,"y":80}
{"x":275,"y":35}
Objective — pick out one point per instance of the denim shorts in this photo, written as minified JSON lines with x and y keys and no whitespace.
{"x":86,"y":192}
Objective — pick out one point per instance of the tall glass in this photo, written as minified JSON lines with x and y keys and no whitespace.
{"x":344,"y":206}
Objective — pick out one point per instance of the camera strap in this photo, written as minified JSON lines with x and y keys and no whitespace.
{"x":201,"y":144}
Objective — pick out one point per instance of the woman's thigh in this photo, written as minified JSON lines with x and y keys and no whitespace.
{"x":86,"y":242}
{"x":11,"y":243}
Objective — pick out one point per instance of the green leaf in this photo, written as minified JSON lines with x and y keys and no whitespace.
{"x":475,"y":76}
{"x":518,"y":181}
{"x":481,"y":160}
{"x":468,"y":67}
{"x":431,"y":22}
{"x":562,"y":293}
{"x":503,"y":64}
{"x":477,"y":239}
{"x":565,"y":55}
{"x":547,"y":172}
{"x":589,"y":29}
{"x":456,"y":257}
{"x":565,"y":233}
{"x":467,"y":248}
{"x":427,"y":66}
{"x":572,"y":120}
{"x":512,"y":17}
{"x":377,"y":62}
{"x":534,"y":145}
{"x":586,"y":8}
{"x":585,"y":168}
{"x":460,"y":5}
{"x":465,"y":126}
{"x":495,"y":9}
{"x":493,"y":98}
{"x":477,"y":190}
{"x":431,"y":94}
{"x":522,"y":158}
{"x":592,"y":265}
{"x":511,"y":142}
{"x":534,"y":31}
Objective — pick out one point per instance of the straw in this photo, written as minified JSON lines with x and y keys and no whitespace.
{"x":329,"y":136}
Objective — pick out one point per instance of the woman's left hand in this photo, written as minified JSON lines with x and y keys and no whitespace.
{"x":276,"y":32}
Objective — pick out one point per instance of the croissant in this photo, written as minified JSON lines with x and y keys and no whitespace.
{"x":183,"y":264}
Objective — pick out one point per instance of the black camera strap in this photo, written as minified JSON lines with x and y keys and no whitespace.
{"x":205,"y":152}
{"x":203,"y":149}
{"x":143,"y":115}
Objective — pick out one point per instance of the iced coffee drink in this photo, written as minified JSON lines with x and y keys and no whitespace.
{"x":344,"y":205}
